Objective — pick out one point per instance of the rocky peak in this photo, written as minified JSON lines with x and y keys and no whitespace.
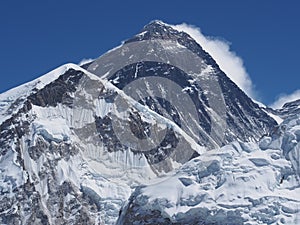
{"x":293,"y":104}
{"x":159,"y":30}
{"x":289,"y":109}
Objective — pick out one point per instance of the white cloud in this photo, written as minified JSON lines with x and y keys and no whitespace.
{"x":228,"y":61}
{"x":84,"y":61}
{"x":284,"y":98}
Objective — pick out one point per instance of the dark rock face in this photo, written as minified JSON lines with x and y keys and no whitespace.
{"x":28,"y":201}
{"x":107,"y":135}
{"x":139,"y":128}
{"x":58,"y":91}
{"x":243,"y":115}
{"x":289,"y":109}
{"x":150,"y":69}
{"x":13,"y":129}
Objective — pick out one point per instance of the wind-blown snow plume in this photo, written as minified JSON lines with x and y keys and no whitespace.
{"x":85,"y":61}
{"x":284,"y":98}
{"x":228,"y":61}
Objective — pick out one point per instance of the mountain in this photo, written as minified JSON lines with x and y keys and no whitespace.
{"x":164,"y":57}
{"x":79,"y":144}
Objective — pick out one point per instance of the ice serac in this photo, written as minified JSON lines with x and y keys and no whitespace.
{"x":240,"y":183}
{"x":219,"y":111}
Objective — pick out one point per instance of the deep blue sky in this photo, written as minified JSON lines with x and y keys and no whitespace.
{"x":37,"y":36}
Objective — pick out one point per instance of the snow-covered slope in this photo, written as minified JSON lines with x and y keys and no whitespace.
{"x":241,"y":183}
{"x":56,"y":161}
{"x":14,"y":98}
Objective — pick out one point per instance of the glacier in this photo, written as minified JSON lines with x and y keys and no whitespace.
{"x":240,"y":183}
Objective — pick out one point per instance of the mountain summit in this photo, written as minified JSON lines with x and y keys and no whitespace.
{"x":85,"y":145}
{"x":223,"y":111}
